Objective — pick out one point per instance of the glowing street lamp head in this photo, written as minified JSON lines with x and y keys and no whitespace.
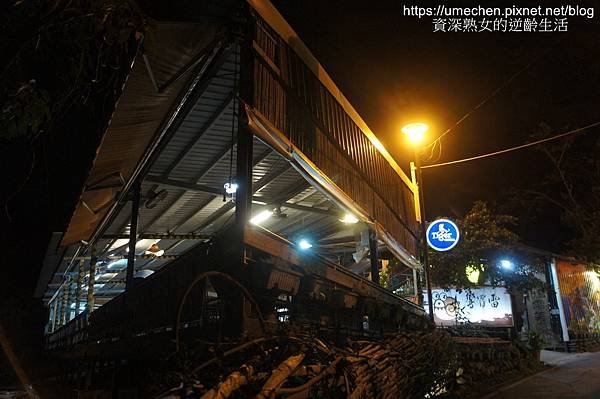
{"x":304,"y":244}
{"x":506,"y":264}
{"x":415,"y":131}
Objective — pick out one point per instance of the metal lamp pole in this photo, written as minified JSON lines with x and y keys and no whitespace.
{"x":424,"y":233}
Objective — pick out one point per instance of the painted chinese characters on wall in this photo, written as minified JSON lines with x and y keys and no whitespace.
{"x":485,"y":306}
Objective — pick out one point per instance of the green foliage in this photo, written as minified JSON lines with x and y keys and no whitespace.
{"x":58,"y":55}
{"x":536,"y":341}
{"x":485,"y":240}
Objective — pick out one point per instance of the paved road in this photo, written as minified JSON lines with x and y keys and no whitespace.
{"x":575,"y":376}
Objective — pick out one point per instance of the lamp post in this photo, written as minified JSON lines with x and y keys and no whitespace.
{"x":415,"y":133}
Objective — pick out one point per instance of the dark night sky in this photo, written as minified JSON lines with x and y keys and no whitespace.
{"x":394,"y":69}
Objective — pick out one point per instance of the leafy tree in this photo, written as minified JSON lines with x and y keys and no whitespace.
{"x":62,"y":68}
{"x":485,"y":240}
{"x":58,"y":55}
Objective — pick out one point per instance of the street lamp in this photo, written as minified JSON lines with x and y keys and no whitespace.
{"x":506,"y":264}
{"x":416,"y":133}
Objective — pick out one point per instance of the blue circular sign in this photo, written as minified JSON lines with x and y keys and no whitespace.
{"x":442,"y":235}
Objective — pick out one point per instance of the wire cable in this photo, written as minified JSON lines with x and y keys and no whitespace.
{"x":486,"y":99}
{"x":491,"y":154}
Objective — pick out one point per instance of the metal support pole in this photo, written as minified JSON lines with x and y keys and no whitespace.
{"x":374,"y":256}
{"x":78,"y":288}
{"x":64,"y":302}
{"x":53,"y":313}
{"x":58,"y":313}
{"x":91,"y":281}
{"x":424,"y":233}
{"x":71,"y":298}
{"x":243,"y":196}
{"x":135,"y":209}
{"x":236,"y":307}
{"x":245,"y":89}
{"x":416,"y":283}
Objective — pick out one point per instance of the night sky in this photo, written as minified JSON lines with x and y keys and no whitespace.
{"x":395,"y":70}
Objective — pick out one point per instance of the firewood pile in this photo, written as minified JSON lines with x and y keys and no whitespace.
{"x":488,"y":359}
{"x":402,"y":365}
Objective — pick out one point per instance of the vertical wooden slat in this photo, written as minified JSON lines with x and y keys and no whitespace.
{"x":298,"y":104}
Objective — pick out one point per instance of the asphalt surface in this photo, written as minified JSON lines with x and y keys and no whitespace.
{"x":573,"y":376}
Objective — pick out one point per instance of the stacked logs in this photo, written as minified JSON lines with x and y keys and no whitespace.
{"x":491,"y":360}
{"x":404,"y":365}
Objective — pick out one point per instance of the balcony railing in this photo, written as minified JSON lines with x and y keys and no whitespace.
{"x":296,"y":102}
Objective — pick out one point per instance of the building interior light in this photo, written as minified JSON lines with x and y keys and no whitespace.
{"x":261,"y":217}
{"x":155,"y":250}
{"x":304,"y":244}
{"x":119,"y":243}
{"x":117,"y":264}
{"x":349,"y":219}
{"x":230,"y":188}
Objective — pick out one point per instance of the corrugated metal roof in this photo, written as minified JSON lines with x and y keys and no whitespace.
{"x":202,"y":151}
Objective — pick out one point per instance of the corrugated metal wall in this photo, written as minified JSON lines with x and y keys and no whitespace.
{"x":294,"y":100}
{"x":580,"y":295}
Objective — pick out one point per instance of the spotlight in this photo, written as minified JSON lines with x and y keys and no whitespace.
{"x":304,"y":244}
{"x":230,"y":188}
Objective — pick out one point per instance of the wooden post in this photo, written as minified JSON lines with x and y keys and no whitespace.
{"x":135,"y":209}
{"x":374,"y":256}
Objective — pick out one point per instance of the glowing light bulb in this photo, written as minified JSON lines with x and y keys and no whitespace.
{"x":415,"y":131}
{"x":506,"y":264}
{"x":349,"y":219}
{"x":261,"y":217}
{"x":304,"y":244}
{"x":230,"y":188}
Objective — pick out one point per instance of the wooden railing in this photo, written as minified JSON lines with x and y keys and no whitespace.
{"x":298,"y":104}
